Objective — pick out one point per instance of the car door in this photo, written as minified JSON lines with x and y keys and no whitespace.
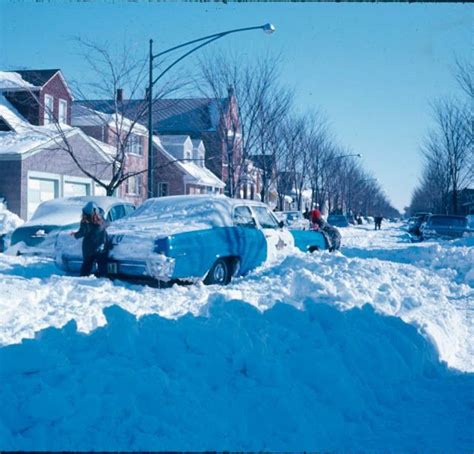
{"x":251,"y":245}
{"x":279,"y":240}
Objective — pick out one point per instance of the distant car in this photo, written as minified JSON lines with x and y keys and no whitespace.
{"x":193,"y":238}
{"x":294,"y":220}
{"x":338,"y":220}
{"x":444,"y":226}
{"x":38,"y":235}
{"x":415,"y":222}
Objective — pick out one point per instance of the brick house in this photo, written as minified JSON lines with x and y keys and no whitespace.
{"x":34,"y":165}
{"x":180,"y":167}
{"x":40,"y":95}
{"x":107,"y":128}
{"x":214,"y":121}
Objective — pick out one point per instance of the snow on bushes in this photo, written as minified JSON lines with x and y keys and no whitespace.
{"x":235,"y":379}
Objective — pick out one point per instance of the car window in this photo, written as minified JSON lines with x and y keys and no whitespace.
{"x":129,"y":209}
{"x":265,"y":218}
{"x":115,"y":213}
{"x":243,"y":217}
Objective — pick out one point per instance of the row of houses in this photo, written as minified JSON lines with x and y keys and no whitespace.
{"x":54,"y":146}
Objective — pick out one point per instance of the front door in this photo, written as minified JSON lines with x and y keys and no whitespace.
{"x":279,"y":241}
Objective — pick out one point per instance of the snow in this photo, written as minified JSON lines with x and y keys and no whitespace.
{"x":8,"y":221}
{"x":370,"y":349}
{"x":10,"y":81}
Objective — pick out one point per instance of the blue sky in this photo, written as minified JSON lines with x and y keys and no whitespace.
{"x":373,"y":68}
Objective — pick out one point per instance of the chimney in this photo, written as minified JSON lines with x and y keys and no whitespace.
{"x":119,"y":94}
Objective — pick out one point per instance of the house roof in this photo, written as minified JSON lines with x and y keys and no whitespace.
{"x":193,"y":173}
{"x":173,"y":116}
{"x":11,"y":81}
{"x":36,"y":77}
{"x":85,"y":116}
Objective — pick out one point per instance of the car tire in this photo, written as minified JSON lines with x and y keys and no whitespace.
{"x":219,"y":274}
{"x":312,"y":249}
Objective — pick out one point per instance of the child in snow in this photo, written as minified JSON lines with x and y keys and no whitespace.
{"x":94,"y":243}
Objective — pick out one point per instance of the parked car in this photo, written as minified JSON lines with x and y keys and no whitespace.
{"x":193,"y":238}
{"x":293,"y":219}
{"x":338,"y":220}
{"x":444,"y":226}
{"x":39,"y":234}
{"x":415,"y":222}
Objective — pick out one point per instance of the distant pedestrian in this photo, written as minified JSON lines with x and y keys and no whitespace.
{"x":306,"y":213}
{"x":330,"y":232}
{"x":94,"y":243}
{"x":378,"y":222}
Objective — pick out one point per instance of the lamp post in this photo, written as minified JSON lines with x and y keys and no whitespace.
{"x":204,"y":41}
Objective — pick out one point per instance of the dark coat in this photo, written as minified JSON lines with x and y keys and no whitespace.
{"x":331,"y":233}
{"x":95,"y":238}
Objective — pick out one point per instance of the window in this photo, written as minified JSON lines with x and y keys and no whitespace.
{"x":163,"y":189}
{"x":73,"y":189}
{"x":265,"y":218}
{"x":135,"y":145}
{"x":134,"y":185}
{"x":243,"y":217}
{"x":48,"y":109}
{"x":40,"y":190}
{"x":62,"y":112}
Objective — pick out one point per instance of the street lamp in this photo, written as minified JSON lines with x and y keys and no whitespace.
{"x":267,"y":28}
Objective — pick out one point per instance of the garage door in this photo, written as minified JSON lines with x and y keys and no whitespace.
{"x":40,"y":190}
{"x":76,"y":189}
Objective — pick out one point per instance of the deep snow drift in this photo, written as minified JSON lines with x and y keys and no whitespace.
{"x":213,"y":372}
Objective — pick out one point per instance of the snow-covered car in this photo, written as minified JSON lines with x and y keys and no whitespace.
{"x":39,"y":234}
{"x":338,"y":220}
{"x":193,"y":238}
{"x":415,"y":223}
{"x":293,"y":219}
{"x":444,"y":226}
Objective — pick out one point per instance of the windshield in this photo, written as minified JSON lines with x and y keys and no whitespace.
{"x":265,"y":218}
{"x":448,"y":221}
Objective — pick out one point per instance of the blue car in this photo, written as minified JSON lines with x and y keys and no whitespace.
{"x":195,"y":238}
{"x":338,"y":220}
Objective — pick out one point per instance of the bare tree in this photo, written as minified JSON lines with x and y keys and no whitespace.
{"x":261,"y":105}
{"x":111,"y":73}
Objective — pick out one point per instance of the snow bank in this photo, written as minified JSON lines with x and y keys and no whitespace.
{"x":429,"y":299}
{"x":235,"y":379}
{"x":8,"y":221}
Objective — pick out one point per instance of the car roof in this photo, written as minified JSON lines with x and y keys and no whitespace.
{"x":205,"y":197}
{"x":454,"y":216}
{"x":103,"y":202}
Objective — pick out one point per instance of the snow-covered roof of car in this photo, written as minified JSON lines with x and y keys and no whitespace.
{"x":182,"y":213}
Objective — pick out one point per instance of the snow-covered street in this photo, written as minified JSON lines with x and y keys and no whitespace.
{"x":319,"y":365}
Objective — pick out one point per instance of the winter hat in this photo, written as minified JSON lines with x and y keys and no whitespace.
{"x":316,"y":213}
{"x":89,"y":208}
